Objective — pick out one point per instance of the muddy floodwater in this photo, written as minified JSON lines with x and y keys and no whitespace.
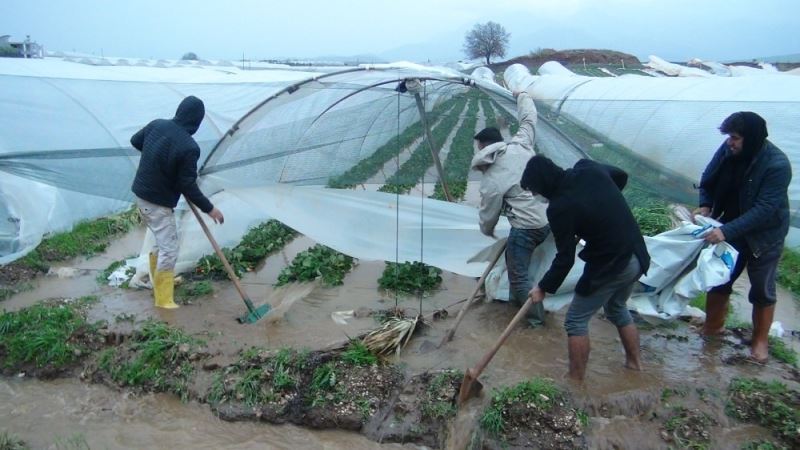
{"x":619,"y":402}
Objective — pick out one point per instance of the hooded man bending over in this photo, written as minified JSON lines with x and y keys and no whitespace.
{"x":586,"y":203}
{"x":502,"y":164}
{"x":167,"y":169}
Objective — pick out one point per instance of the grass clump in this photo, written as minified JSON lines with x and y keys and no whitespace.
{"x":85,"y":239}
{"x":410,"y":277}
{"x":185,"y":293}
{"x":689,"y":428}
{"x":259,"y":377}
{"x":45,"y":335}
{"x":157,"y":358}
{"x":438,"y":403}
{"x":258,"y":243}
{"x":542,"y":393}
{"x":357,"y":354}
{"x":763,"y":445}
{"x":782,"y":352}
{"x":653,"y":219}
{"x":10,"y":442}
{"x":317,"y":262}
{"x":769,"y":404}
{"x":789,"y":270}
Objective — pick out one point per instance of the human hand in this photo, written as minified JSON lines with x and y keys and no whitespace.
{"x":216,"y":215}
{"x":536,"y":295}
{"x":715,"y":236}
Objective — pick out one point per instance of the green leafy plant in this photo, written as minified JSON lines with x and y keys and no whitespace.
{"x":42,"y":334}
{"x":358,"y":354}
{"x":770,"y":404}
{"x":317,"y":262}
{"x":653,"y":219}
{"x":789,"y":270}
{"x":410,"y":277}
{"x":541,"y":392}
{"x":459,"y":158}
{"x":10,"y":442}
{"x":157,"y":356}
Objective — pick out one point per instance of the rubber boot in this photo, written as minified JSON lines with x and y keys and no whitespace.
{"x":716,"y":311}
{"x":163,"y":288}
{"x":762,"y":320}
{"x":153,"y":263}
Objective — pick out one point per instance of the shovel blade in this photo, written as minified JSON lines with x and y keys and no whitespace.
{"x":470,"y":387}
{"x":253,"y":315}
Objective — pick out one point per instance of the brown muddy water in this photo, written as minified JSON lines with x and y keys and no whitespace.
{"x":620,"y":402}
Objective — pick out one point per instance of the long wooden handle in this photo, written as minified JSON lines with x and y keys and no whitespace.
{"x":221,"y":255}
{"x":452,"y":331}
{"x":476,"y":371}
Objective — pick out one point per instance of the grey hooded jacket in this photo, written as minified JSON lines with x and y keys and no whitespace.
{"x":502,"y":165}
{"x":168,"y":166}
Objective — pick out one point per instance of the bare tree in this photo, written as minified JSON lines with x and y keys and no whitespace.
{"x":486,"y":40}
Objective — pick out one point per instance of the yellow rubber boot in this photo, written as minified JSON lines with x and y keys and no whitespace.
{"x":153,"y":263}
{"x":163,"y":288}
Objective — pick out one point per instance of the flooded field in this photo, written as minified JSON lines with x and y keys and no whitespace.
{"x":625,"y":409}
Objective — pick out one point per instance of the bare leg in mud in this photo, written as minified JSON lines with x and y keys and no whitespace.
{"x":716,"y":310}
{"x":762,"y":320}
{"x":578,"y":356}
{"x":629,"y":335}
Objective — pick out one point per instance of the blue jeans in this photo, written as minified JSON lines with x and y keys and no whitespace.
{"x":519,"y":251}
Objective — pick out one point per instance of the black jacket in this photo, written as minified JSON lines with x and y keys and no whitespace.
{"x":168,"y":166}
{"x":763,"y":197}
{"x":586,"y":202}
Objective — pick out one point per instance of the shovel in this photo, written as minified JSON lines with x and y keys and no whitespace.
{"x":253,"y":313}
{"x":448,"y":336}
{"x":471,"y":387}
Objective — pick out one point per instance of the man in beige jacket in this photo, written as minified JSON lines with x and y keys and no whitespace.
{"x":502,"y":165}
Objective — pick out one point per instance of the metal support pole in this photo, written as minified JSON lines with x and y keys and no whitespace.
{"x":434,"y":154}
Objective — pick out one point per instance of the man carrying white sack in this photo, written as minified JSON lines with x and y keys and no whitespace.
{"x":502,"y":164}
{"x":167,"y":169}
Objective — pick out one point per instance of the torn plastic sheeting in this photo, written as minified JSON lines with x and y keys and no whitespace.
{"x":362,"y":224}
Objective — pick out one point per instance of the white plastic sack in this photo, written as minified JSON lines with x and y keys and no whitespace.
{"x":714,"y":267}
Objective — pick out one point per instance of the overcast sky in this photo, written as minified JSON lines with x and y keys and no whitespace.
{"x":409,"y":29}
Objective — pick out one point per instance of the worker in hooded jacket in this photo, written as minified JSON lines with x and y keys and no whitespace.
{"x":167,"y":169}
{"x":502,"y":164}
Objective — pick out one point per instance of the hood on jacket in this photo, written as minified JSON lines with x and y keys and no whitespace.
{"x":754,"y":133}
{"x":542,"y":176}
{"x":190,"y":114}
{"x":486,"y":157}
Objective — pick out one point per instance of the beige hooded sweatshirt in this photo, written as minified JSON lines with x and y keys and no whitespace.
{"x":502,"y":165}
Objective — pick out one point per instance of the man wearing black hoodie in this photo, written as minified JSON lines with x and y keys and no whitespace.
{"x":586,"y":203}
{"x":745,"y":186}
{"x":167,"y":169}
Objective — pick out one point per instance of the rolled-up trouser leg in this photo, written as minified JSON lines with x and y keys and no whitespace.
{"x":161,"y":221}
{"x":519,"y":250}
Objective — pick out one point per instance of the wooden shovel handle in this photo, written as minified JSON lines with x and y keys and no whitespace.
{"x":477,"y":370}
{"x":221,"y":255}
{"x":448,"y":336}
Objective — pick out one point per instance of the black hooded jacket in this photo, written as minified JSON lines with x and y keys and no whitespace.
{"x":168,"y":166}
{"x":586,"y":202}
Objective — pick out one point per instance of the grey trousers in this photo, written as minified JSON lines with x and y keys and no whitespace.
{"x":161,"y":221}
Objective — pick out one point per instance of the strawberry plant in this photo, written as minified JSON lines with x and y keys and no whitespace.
{"x":410,"y":277}
{"x":318,"y":261}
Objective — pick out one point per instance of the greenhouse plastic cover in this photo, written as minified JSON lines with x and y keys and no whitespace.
{"x":65,"y":147}
{"x":671,"y":122}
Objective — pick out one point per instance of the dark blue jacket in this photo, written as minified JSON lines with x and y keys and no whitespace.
{"x":168,"y":166}
{"x":763,"y":198}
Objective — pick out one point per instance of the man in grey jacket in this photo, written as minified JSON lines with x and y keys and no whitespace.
{"x":502,"y":165}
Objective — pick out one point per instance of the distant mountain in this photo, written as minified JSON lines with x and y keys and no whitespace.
{"x":795,"y":58}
